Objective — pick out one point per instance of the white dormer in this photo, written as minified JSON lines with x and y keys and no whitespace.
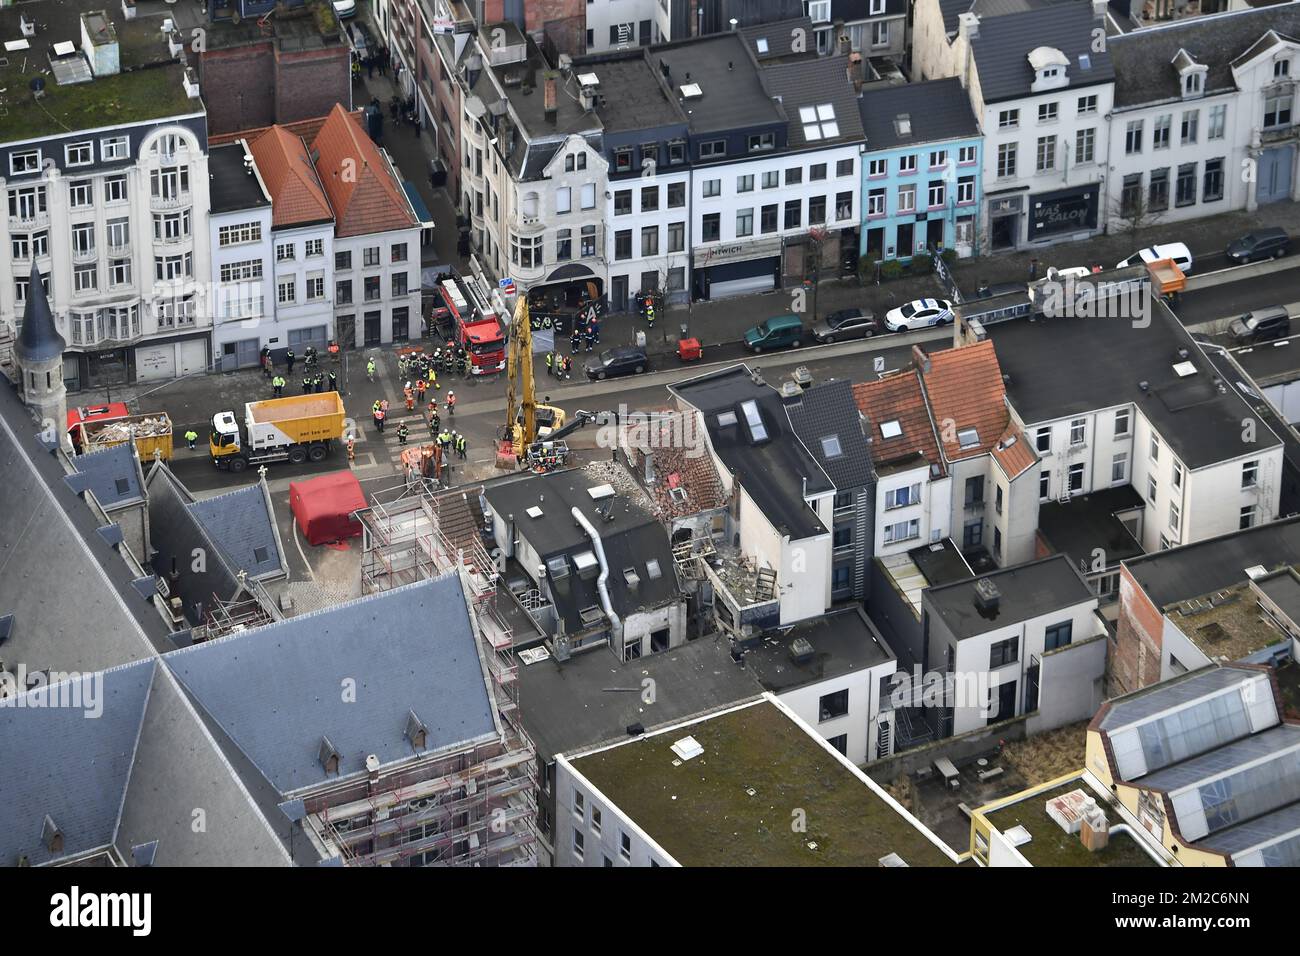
{"x":1191,"y":73}
{"x":1050,"y":67}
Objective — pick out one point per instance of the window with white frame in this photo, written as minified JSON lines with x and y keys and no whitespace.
{"x":878,"y":167}
{"x":85,"y":278}
{"x":314,"y":247}
{"x":936,"y":193}
{"x":819,"y":11}
{"x":79,"y":154}
{"x":1048,"y":112}
{"x":83,"y":239}
{"x":1155,"y":448}
{"x":1175,"y":517}
{"x":907,"y":198}
{"x":115,"y":190}
{"x":966,"y":189}
{"x":1152,"y":488}
{"x":245,"y":271}
{"x":239,"y":234}
{"x":1218,"y":121}
{"x":316,"y":286}
{"x":903,"y":531}
{"x":1119,"y":468}
{"x":117,"y":147}
{"x":907,"y":164}
{"x":1085,"y":145}
{"x":902,"y":497}
{"x":1087,"y":104}
{"x":1008,"y":119}
{"x":24,"y":161}
{"x":1078,"y":429}
{"x":1121,"y":422}
{"x":119,"y":272}
{"x":876,"y":202}
{"x":1046,"y":153}
{"x":81,"y":193}
{"x":1250,"y":474}
{"x":966,"y":155}
{"x":173,"y":267}
{"x":577,"y":843}
{"x":285,"y":252}
{"x":1178,"y":476}
{"x":1247,"y":517}
{"x":1160,"y":128}
{"x":880,"y":33}
{"x":1133,"y":137}
{"x":286,"y":291}
{"x":1043,"y":439}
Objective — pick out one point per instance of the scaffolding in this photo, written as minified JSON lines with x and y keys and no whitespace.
{"x":475,"y":804}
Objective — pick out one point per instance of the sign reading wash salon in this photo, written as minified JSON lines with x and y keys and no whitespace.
{"x":1063,"y":211}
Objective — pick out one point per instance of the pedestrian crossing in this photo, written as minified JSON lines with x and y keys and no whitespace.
{"x":385,"y":449}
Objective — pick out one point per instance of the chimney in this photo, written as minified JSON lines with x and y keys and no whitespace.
{"x":549,"y":85}
{"x":920,"y":359}
{"x":372,"y":767}
{"x":1099,"y":9}
{"x":968,"y":24}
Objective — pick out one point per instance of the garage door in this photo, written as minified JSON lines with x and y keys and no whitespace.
{"x":154,"y":362}
{"x":746,"y":286}
{"x":194,"y":356}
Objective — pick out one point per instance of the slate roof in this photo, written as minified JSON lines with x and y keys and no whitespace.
{"x":584,"y":701}
{"x":828,"y":410}
{"x":1004,"y":43}
{"x":938,"y":110}
{"x":373,"y":201}
{"x":853,"y":11}
{"x":810,"y":84}
{"x":732,"y":98}
{"x":776,"y":473}
{"x":631,"y":538}
{"x":1201,"y":424}
{"x":54,"y":528}
{"x":1026,"y":591}
{"x":297,"y":198}
{"x":898,"y":398}
{"x":964,"y":389}
{"x":1144,"y":58}
{"x":242,"y":523}
{"x":427,"y":662}
{"x":175,"y":533}
{"x":113,"y":474}
{"x":780,"y":38}
{"x":38,"y":339}
{"x":952,"y":9}
{"x":132,"y":774}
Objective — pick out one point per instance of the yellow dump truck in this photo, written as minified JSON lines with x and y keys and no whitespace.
{"x":293,"y":429}
{"x":151,"y":433}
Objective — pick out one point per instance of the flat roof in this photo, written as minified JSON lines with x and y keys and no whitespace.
{"x":842,"y":642}
{"x":732,"y":804}
{"x":1283,"y":589}
{"x":1214,"y":563}
{"x":1227,"y":624}
{"x":1025,"y":591}
{"x":1086,"y":523}
{"x":1270,"y":363}
{"x":634,"y":96}
{"x":148,"y":87}
{"x":593,"y":697}
{"x":732,"y":92}
{"x":233,"y":187}
{"x":1201,"y":423}
{"x":1049,"y":845}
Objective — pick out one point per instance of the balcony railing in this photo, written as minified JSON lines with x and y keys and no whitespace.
{"x":122,"y":251}
{"x":85,"y":255}
{"x":169,"y":202}
{"x":32,"y":220}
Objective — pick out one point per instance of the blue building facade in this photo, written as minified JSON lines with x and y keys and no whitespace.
{"x":921,"y":171}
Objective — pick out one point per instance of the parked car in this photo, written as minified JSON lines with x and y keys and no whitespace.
{"x":627,"y":360}
{"x":1267,"y":243}
{"x":345,"y":8}
{"x":775,"y":333}
{"x":1260,"y":325}
{"x":846,"y":324}
{"x":1073,"y":272}
{"x":919,"y":314}
{"x":1177,"y":251}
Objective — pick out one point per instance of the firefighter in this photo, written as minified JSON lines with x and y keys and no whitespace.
{"x":379,"y":419}
{"x":306,"y":385}
{"x":408,"y":392}
{"x":568,"y":366}
{"x":402,"y":432}
{"x":289,"y":360}
{"x":352,"y":448}
{"x":451,"y":403}
{"x":370,"y":368}
{"x":435,"y":424}
{"x":575,"y":338}
{"x":460,"y":361}
{"x":461,"y":446}
{"x":421,"y":385}
{"x":550,"y":363}
{"x":334,"y":381}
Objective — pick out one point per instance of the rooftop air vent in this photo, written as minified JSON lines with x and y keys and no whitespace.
{"x":328,"y":756}
{"x":1256,"y":571}
{"x":600,"y":492}
{"x":987,"y":595}
{"x":790,"y":390}
{"x":51,"y":835}
{"x":801,"y":651}
{"x":687,"y":748}
{"x":588,"y":80}
{"x":416,"y":732}
{"x":632,"y":578}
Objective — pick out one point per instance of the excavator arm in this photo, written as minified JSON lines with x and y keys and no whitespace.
{"x":520,"y":393}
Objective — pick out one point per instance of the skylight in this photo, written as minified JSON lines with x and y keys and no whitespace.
{"x":762,"y":44}
{"x":726,"y":418}
{"x":819,"y":123}
{"x":831,"y":446}
{"x":757,"y":430}
{"x":968,"y":438}
{"x":652,"y":569}
{"x":891,"y":429}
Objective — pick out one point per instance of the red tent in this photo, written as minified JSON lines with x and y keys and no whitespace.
{"x":323,"y":506}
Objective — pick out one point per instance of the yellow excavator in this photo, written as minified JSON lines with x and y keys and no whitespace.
{"x":530,"y":426}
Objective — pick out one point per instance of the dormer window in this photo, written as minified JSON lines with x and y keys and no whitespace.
{"x":1050,"y":67}
{"x":1193,"y":84}
{"x":1191,"y":74}
{"x":1281,"y":69}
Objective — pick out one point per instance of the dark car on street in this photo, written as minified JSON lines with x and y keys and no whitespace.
{"x":1261,"y":325}
{"x":627,"y":360}
{"x":846,"y":324}
{"x":1265,"y":243}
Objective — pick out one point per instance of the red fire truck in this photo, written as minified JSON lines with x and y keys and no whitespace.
{"x":475,"y":325}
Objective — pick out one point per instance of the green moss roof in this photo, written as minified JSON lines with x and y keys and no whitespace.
{"x":137,"y":96}
{"x":1052,"y":846}
{"x":701,"y":813}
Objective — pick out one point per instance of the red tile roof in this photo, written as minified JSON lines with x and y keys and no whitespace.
{"x":964,"y":388}
{"x":362,"y":189}
{"x":307,"y":129}
{"x":296,"y":194}
{"x":1013,"y":452}
{"x":678,"y":462}
{"x":898,"y":398}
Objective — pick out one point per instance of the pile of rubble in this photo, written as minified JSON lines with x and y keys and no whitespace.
{"x":117,"y":432}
